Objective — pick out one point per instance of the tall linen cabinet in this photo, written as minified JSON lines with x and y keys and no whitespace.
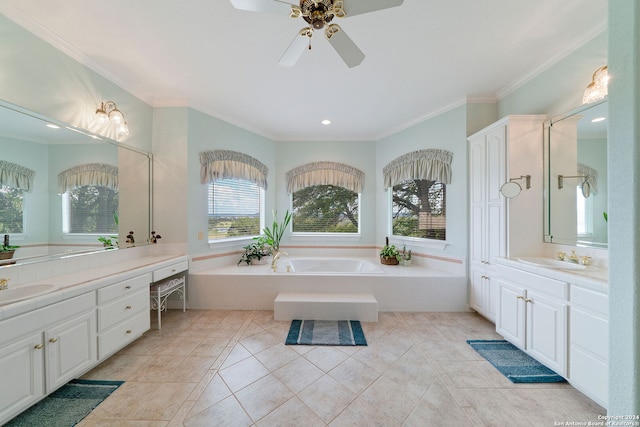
{"x":509,"y":149}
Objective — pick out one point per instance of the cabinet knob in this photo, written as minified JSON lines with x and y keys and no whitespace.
{"x":528,"y":300}
{"x":38,"y":346}
{"x":129,"y":331}
{"x":485,"y":277}
{"x":520,"y":297}
{"x":52,"y":340}
{"x":128,"y":307}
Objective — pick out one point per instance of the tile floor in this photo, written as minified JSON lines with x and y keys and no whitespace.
{"x":231,"y":368}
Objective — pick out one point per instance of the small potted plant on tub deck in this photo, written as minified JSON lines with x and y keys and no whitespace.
{"x":7,"y":250}
{"x":390,"y":255}
{"x":256,"y":252}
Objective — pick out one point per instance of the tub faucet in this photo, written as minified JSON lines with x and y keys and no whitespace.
{"x":274,"y":261}
{"x":4,"y":284}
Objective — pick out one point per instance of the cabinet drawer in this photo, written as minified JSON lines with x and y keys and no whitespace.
{"x":122,"y":334}
{"x":123,"y":288}
{"x":122,"y":308}
{"x":596,"y":302}
{"x":165,"y":272}
{"x":551,"y":287}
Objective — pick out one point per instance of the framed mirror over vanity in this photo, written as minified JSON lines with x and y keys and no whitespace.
{"x":575,"y":172}
{"x":65,"y":191}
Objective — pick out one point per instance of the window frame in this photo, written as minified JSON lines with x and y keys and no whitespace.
{"x":320,"y":234}
{"x":229,"y":241}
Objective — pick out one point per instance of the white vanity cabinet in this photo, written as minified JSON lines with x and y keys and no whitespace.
{"x":43,"y":349}
{"x":507,"y":149}
{"x":123,"y":313}
{"x":589,"y":343}
{"x":532,"y":314}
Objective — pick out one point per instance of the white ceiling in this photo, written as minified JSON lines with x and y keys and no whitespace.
{"x":422,"y":58}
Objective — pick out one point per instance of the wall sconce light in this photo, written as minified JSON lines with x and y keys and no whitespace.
{"x":597,"y":89}
{"x":512,"y":189}
{"x":108,"y":113}
{"x":586,"y":187}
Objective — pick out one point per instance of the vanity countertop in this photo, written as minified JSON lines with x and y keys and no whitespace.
{"x":73,"y":284}
{"x":595,"y":278}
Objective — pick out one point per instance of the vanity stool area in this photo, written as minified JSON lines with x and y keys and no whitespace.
{"x":167,"y":281}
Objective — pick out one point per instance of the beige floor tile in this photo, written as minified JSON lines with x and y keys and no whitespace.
{"x":292,"y":413}
{"x":230,"y":367}
{"x":327,"y":398}
{"x":263,"y":396}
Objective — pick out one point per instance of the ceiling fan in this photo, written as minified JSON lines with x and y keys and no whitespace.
{"x":319,"y":14}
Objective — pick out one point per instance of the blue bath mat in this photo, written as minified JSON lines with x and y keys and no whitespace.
{"x":513,"y":363}
{"x":325,"y":332}
{"x":66,"y":406}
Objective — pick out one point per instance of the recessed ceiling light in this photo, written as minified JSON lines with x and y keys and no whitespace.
{"x":599,"y":119}
{"x":326,"y":122}
{"x":52,"y":126}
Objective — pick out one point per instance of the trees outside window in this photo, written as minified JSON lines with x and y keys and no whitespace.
{"x":418,"y":209}
{"x":325,"y":209}
{"x":90,"y":209}
{"x":11,"y":210}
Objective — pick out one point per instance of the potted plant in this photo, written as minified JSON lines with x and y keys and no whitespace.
{"x":256,"y":252}
{"x":7,"y":251}
{"x":274,"y":233}
{"x":389,"y":255}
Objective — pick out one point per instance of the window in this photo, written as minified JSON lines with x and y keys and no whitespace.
{"x":91,"y":209}
{"x":11,"y":210}
{"x":585,"y":213}
{"x":418,"y":209}
{"x":325,"y":209}
{"x":235,"y":208}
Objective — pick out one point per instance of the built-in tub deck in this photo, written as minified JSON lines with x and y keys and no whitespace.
{"x":395,"y":288}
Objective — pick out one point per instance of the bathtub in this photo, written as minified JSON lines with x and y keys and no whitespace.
{"x":396,"y":288}
{"x":328,"y":266}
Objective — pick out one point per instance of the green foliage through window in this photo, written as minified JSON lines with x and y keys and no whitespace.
{"x":11,"y":210}
{"x":418,"y":209}
{"x":91,"y":209}
{"x":325,"y":209}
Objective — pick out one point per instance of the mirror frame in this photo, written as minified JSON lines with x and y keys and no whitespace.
{"x":118,"y":145}
{"x":548,"y":182}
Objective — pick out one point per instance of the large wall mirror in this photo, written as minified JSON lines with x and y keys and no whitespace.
{"x":575,"y":162}
{"x":65,"y":191}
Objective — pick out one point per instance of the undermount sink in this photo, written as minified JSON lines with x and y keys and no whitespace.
{"x":20,"y":293}
{"x":552,"y":263}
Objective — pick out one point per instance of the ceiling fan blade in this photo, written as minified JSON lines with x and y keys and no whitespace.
{"x":269,"y":6}
{"x":295,"y":49}
{"x":358,"y":7}
{"x":342,"y":43}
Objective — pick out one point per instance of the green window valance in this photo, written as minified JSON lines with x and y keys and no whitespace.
{"x":228,"y":164}
{"x":431,"y":165}
{"x":16,"y":176}
{"x":88,"y":174}
{"x":325,"y":173}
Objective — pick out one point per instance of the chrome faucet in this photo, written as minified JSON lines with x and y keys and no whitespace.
{"x":274,"y":261}
{"x":4,"y":284}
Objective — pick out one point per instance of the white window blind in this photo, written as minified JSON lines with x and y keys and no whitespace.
{"x":325,"y":209}
{"x":90,"y":209}
{"x":235,"y":208}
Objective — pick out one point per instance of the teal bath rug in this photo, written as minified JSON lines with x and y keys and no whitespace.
{"x":66,"y":406}
{"x":325,"y":332}
{"x":513,"y":363}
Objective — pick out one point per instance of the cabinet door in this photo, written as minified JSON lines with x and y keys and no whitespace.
{"x":477,"y":188}
{"x":491,"y":291}
{"x":476,"y":300}
{"x":510,"y":320}
{"x":547,"y":331}
{"x":21,"y":365}
{"x":496,"y":163}
{"x":71,"y":349}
